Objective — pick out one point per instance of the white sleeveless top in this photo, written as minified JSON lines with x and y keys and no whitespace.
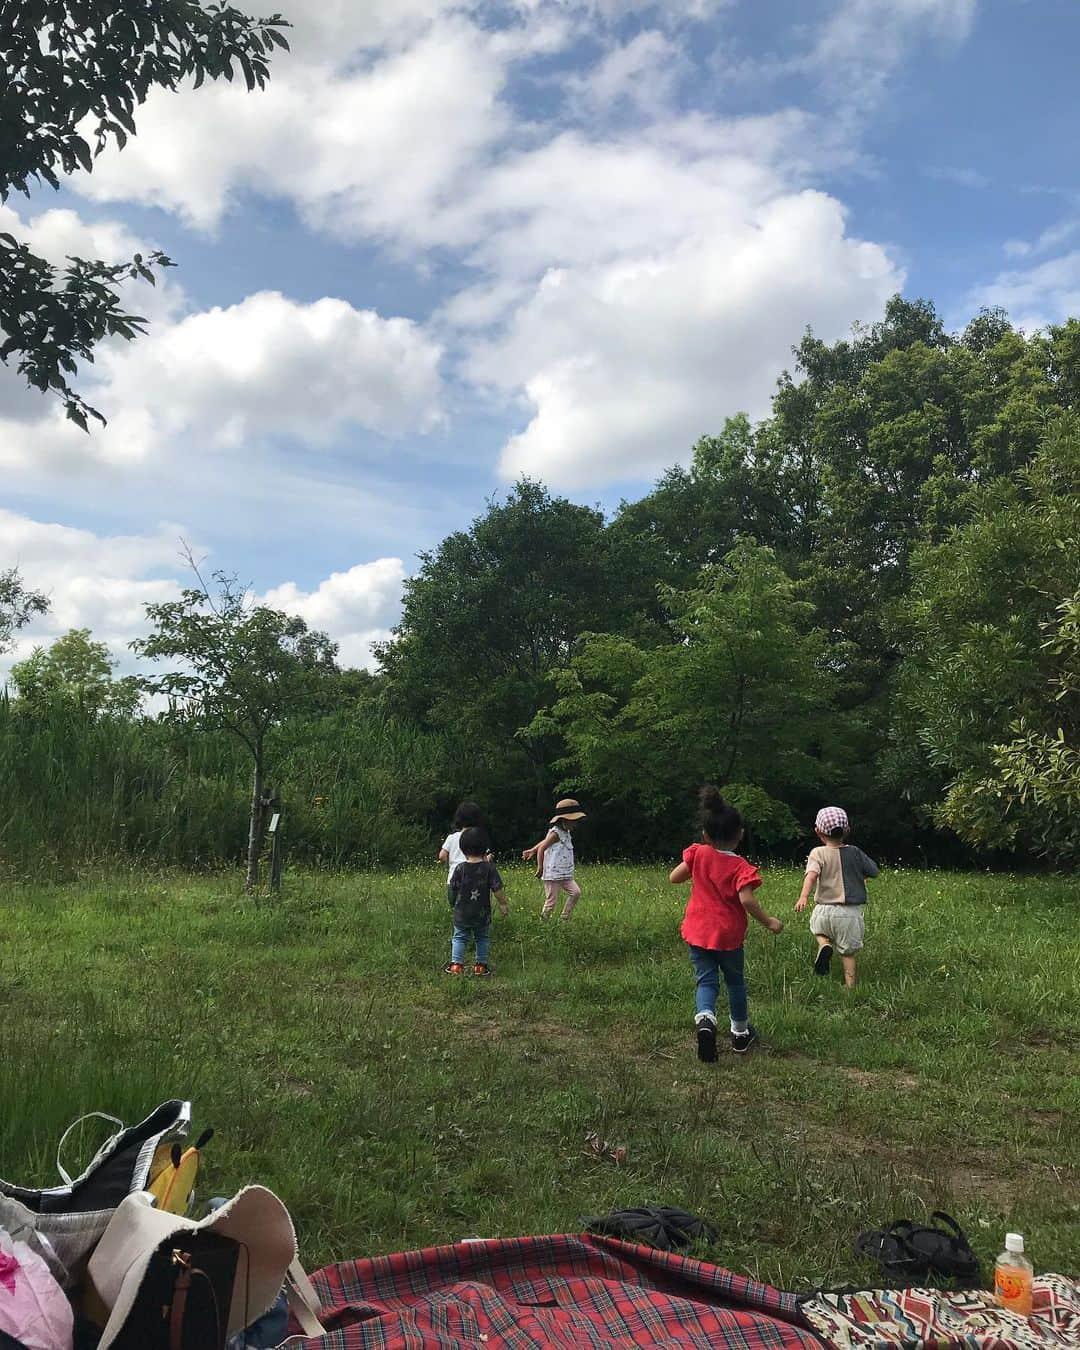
{"x":559,"y":856}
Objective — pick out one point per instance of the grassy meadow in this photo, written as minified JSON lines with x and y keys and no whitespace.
{"x":392,"y":1106}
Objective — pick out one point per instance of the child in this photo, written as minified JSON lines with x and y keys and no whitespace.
{"x":554,"y":856}
{"x":714,"y":926}
{"x":467,"y":815}
{"x":474,"y":882}
{"x":838,"y":870}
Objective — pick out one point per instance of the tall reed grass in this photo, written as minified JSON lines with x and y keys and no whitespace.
{"x":357,"y":788}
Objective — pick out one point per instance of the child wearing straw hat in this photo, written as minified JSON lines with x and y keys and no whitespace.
{"x":554,"y":856}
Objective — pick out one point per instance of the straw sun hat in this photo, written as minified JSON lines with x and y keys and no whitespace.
{"x":567,"y":809}
{"x":255,"y":1218}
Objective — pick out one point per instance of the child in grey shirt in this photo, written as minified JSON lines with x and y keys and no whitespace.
{"x":839,"y":871}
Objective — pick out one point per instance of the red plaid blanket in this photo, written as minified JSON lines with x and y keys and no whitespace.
{"x":566,"y":1291}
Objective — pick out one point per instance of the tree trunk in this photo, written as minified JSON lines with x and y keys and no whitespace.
{"x":255,"y":826}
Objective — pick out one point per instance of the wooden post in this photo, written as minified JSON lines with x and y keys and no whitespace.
{"x":276,"y":848}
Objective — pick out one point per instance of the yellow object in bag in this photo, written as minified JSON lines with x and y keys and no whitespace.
{"x":173,"y":1174}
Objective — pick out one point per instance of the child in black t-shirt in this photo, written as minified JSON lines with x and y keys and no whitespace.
{"x":472,"y":885}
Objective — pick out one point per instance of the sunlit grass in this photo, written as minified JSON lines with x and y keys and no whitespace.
{"x":392,"y":1106}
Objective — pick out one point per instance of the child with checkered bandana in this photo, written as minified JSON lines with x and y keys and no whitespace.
{"x":838,"y":870}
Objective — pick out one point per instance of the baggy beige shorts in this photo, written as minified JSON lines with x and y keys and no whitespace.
{"x":843,"y":925}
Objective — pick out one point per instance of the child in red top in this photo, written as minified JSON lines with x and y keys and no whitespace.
{"x":721,"y":896}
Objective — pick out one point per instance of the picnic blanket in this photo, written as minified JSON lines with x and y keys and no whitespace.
{"x":945,"y":1319}
{"x":560,"y":1291}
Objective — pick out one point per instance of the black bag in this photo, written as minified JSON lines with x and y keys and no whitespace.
{"x":663,"y":1227}
{"x":185,"y":1297}
{"x":908,"y":1252}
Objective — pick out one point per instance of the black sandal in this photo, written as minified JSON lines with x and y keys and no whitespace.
{"x":907,"y":1251}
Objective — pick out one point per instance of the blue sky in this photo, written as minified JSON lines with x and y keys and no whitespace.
{"x":456,"y":241}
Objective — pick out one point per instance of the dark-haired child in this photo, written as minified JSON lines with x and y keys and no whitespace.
{"x":474,"y":882}
{"x":714,"y":925}
{"x":467,"y":816}
{"x":839,"y":871}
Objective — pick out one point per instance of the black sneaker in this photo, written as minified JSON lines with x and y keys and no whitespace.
{"x":741,"y":1041}
{"x":822,"y":960}
{"x":706,"y":1040}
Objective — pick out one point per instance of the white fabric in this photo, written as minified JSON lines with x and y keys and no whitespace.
{"x":452,"y":844}
{"x":255,"y":1218}
{"x":559,"y":855}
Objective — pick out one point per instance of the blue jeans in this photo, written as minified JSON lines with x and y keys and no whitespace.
{"x":708,"y":967}
{"x":462,"y":938}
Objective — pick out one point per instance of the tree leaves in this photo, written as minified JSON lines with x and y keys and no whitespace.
{"x":97,"y":66}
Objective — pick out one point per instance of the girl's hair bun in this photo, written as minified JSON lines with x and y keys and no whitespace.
{"x":720,"y":822}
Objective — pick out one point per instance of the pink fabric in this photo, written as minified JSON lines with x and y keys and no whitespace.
{"x":33,"y":1308}
{"x":551,"y":896}
{"x":9,"y":1269}
{"x":714,"y":915}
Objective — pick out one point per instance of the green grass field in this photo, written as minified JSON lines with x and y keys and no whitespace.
{"x":391,"y":1106}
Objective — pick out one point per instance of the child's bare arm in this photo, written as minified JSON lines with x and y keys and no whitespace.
{"x":502,"y":902}
{"x":538,"y":850}
{"x":528,"y":853}
{"x":753,"y":907}
{"x":679,"y":874}
{"x":809,"y":882}
{"x":444,"y":856}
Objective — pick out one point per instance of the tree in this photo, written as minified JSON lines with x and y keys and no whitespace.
{"x":737,"y":698}
{"x":72,"y":69}
{"x":17,"y":605}
{"x":244,"y":668}
{"x":986,"y":709}
{"x":493,"y":610}
{"x":694,"y":516}
{"x":77,"y":673}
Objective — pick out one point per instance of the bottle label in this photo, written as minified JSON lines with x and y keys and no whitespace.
{"x":1009,"y":1284}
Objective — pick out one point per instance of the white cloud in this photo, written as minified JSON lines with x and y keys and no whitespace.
{"x":626,"y":365}
{"x":640,"y":74}
{"x":104,"y":582}
{"x":267,"y":367}
{"x":397,"y":124}
{"x":92,"y":581}
{"x":863,"y":41}
{"x":370,"y":145}
{"x":357,"y":607}
{"x":1046,"y":293}
{"x":1051,"y":238}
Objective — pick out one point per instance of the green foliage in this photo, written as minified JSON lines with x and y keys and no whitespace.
{"x":739,"y":694}
{"x":988,"y":696}
{"x":63,"y":62}
{"x":490,"y":614}
{"x":733,"y":488}
{"x":868,"y":596}
{"x":74,"y":671}
{"x":356,"y":788}
{"x":17,"y":605}
{"x":242,"y":668}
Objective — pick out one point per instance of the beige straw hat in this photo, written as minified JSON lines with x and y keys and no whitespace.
{"x":567,"y":809}
{"x":255,"y":1218}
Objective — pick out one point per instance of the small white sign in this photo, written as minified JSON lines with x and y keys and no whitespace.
{"x":274,"y":822}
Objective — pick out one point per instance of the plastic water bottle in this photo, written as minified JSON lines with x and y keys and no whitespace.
{"x":1013,"y":1274}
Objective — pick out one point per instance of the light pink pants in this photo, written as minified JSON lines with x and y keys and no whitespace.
{"x":551,"y":897}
